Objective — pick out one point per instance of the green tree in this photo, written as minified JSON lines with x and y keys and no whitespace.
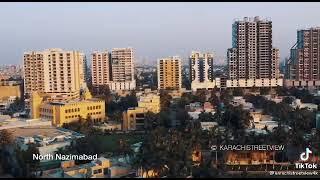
{"x":27,"y":164}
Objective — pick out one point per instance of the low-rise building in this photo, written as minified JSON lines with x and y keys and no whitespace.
{"x":6,"y":122}
{"x":5,"y":102}
{"x":110,"y":125}
{"x":9,"y":88}
{"x":194,"y":107}
{"x":239,"y":100}
{"x":249,"y":157}
{"x":47,"y":139}
{"x":99,"y":168}
{"x":298,"y":104}
{"x":208,"y":125}
{"x":60,"y":112}
{"x":208,"y":107}
{"x":150,"y":101}
{"x":276,"y":99}
{"x":134,"y":119}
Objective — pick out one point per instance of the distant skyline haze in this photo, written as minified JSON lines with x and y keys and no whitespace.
{"x":155,"y":30}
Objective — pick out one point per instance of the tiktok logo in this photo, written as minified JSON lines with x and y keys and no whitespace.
{"x":305,"y":155}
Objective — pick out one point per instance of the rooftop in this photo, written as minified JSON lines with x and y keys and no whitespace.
{"x":74,"y":101}
{"x":8,"y":123}
{"x":44,"y":131}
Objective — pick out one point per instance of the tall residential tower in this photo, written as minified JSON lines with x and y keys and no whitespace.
{"x":54,"y":71}
{"x":303,"y":66}
{"x":201,"y":70}
{"x":115,"y":69}
{"x":169,"y":73}
{"x":252,"y":61}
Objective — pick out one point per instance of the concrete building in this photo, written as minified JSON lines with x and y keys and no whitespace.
{"x":239,"y":100}
{"x":298,"y":104}
{"x":207,"y":126}
{"x":6,"y":102}
{"x":99,"y":168}
{"x":250,"y":157}
{"x":252,"y":56}
{"x":302,"y":68}
{"x":8,"y":122}
{"x":115,"y":69}
{"x":60,"y":112}
{"x":54,"y":71}
{"x":122,"y":66}
{"x":201,"y":71}
{"x":169,"y":73}
{"x":8,"y":90}
{"x":196,"y":108}
{"x":110,"y":125}
{"x":48,"y":139}
{"x":150,"y":101}
{"x":100,"y":68}
{"x":134,"y":119}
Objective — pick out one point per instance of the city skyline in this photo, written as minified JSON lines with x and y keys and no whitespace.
{"x":170,"y":29}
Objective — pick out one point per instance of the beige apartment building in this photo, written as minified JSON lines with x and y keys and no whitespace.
{"x":100,"y":68}
{"x":169,"y":73}
{"x":252,"y":56}
{"x":54,"y":71}
{"x":302,"y":68}
{"x":115,"y":69}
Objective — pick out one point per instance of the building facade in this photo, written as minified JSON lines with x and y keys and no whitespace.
{"x":60,"y":112}
{"x":150,"y":101}
{"x":201,"y":71}
{"x":115,"y":69}
{"x":100,"y":68}
{"x":252,"y":56}
{"x":134,"y":119}
{"x":54,"y":71}
{"x":303,"y":68}
{"x":169,"y":73}
{"x":122,"y":66}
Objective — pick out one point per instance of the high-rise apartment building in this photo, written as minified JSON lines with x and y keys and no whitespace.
{"x":169,"y":73}
{"x":303,"y":68}
{"x":252,"y":56}
{"x":54,"y":71}
{"x":100,"y":68}
{"x":115,"y":69}
{"x":201,"y":70}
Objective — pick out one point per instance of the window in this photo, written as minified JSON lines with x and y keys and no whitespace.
{"x":97,"y":171}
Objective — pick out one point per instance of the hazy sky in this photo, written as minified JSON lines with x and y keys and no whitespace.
{"x":154,"y":30}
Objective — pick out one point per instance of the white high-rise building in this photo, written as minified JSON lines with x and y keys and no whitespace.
{"x":201,"y":71}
